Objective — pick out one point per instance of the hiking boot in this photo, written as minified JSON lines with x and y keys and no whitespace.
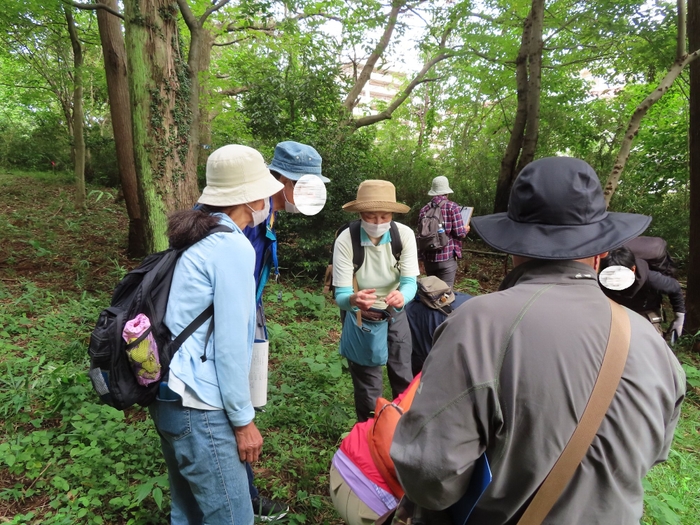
{"x":266,"y":509}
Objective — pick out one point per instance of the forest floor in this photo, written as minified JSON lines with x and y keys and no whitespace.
{"x":66,"y":459}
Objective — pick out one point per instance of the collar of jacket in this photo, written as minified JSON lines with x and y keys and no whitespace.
{"x":541,"y":271}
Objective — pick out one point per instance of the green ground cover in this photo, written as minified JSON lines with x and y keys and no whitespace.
{"x":65,"y":459}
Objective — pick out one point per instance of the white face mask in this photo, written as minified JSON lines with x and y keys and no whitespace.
{"x":259,"y":216}
{"x":288,"y":206}
{"x":375,"y":230}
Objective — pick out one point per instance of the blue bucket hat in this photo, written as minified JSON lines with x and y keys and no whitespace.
{"x":294,"y":160}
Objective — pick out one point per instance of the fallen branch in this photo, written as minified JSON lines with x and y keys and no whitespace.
{"x":480,"y":252}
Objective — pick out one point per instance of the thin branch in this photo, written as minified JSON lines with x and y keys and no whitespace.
{"x":234,"y":91}
{"x":391,"y":19}
{"x":401,"y":97}
{"x":485,"y":57}
{"x":580,"y":61}
{"x":93,"y":7}
{"x":680,"y":37}
{"x":270,"y":27}
{"x":24,"y":86}
{"x":211,"y":10}
{"x":232,"y":42}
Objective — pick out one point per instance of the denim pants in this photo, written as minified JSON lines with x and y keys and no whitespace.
{"x":208,"y":481}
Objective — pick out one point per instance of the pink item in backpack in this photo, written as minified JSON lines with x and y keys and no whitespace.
{"x":142,"y":350}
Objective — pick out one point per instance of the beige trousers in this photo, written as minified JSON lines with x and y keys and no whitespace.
{"x":349,"y":506}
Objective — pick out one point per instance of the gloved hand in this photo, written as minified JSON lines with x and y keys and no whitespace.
{"x":677,"y":326}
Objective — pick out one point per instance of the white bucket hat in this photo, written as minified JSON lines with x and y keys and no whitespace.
{"x":441,"y":186}
{"x":236,"y":175}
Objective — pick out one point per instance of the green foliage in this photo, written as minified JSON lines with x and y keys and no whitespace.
{"x":692,"y":375}
{"x":302,"y":303}
{"x":347,"y":161}
{"x":65,"y":459}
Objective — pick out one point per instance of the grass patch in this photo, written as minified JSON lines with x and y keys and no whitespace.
{"x":65,"y":459}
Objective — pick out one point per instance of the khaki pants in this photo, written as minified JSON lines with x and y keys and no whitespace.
{"x":349,"y":506}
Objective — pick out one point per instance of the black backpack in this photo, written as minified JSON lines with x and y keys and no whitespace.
{"x":431,"y":230}
{"x":143,"y":290}
{"x":358,"y":252}
{"x":655,"y":252}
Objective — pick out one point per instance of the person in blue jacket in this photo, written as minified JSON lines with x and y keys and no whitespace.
{"x":203,"y":412}
{"x":291,"y":161}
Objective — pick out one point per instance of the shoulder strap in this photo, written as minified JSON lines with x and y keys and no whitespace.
{"x":603,"y":392}
{"x":396,"y":244}
{"x":358,"y":253}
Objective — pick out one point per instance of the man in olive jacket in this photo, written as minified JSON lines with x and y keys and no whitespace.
{"x":510,"y":373}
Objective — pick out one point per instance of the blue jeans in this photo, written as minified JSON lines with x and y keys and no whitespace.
{"x":208,"y":481}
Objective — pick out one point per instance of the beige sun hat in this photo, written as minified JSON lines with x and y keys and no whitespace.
{"x":236,"y":175}
{"x":440,"y":186}
{"x":376,"y":195}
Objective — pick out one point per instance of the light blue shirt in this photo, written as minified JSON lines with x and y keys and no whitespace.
{"x":217,"y":269}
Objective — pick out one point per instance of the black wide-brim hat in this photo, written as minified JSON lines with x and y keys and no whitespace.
{"x":557,"y":211}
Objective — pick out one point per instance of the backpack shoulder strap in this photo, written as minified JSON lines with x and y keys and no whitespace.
{"x":358,"y":252}
{"x":396,"y":244}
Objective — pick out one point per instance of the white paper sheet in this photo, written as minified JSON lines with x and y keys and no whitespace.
{"x":258,"y":373}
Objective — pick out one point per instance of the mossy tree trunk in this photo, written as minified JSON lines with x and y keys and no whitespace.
{"x":159,"y":88}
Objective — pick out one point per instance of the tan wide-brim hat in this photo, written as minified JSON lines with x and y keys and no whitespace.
{"x":376,"y":195}
{"x":237,"y":175}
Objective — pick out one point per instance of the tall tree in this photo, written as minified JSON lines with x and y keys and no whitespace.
{"x":78,"y":119}
{"x":693,"y":293}
{"x":160,"y":91}
{"x":524,"y":133}
{"x":114,"y":54}
{"x":682,"y":59}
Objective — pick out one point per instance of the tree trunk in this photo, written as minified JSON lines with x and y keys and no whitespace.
{"x":78,"y":120}
{"x":534,"y":85}
{"x":692,"y":298}
{"x":507,"y":173}
{"x":205,"y":116}
{"x":114,"y":55}
{"x":159,"y":88}
{"x":636,"y":120}
{"x":198,"y":62}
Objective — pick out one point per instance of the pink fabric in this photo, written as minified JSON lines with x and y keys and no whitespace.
{"x":356,"y":448}
{"x":134,"y":328}
{"x":144,"y":357}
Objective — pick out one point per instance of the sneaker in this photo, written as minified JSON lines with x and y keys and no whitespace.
{"x":266,"y":509}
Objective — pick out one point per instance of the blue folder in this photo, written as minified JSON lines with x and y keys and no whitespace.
{"x":481,"y":478}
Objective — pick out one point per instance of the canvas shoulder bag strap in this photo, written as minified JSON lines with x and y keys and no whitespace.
{"x":603,"y":392}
